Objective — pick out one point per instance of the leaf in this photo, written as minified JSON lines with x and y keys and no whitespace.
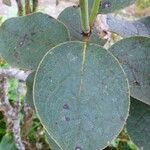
{"x":71,"y":17}
{"x":29,"y":101}
{"x":108,"y":6}
{"x":51,"y":142}
{"x":129,"y":28}
{"x":7,"y":143}
{"x":134,"y":55}
{"x":29,"y":85}
{"x":81,"y":96}
{"x":25,"y":40}
{"x":138,"y":124}
{"x":7,"y":2}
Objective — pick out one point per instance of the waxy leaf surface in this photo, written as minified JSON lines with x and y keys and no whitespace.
{"x":25,"y":40}
{"x":134,"y":55}
{"x":81,"y":95}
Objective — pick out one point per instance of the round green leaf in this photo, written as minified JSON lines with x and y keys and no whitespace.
{"x":134,"y":55}
{"x":71,"y":18}
{"x":108,"y":6}
{"x":81,"y":96}
{"x":138,"y":124}
{"x":25,"y":40}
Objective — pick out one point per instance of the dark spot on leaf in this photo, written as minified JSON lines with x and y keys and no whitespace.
{"x":106,"y":4}
{"x":78,"y":148}
{"x":137,"y":83}
{"x":23,"y":40}
{"x":66,"y":106}
{"x":67,"y":118}
{"x":56,"y":123}
{"x":33,"y":33}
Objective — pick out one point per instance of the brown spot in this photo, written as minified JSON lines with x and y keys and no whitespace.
{"x":78,"y":148}
{"x":103,"y":34}
{"x":66,"y":106}
{"x":86,"y":34}
{"x":106,"y":4}
{"x":67,"y":118}
{"x":56,"y":123}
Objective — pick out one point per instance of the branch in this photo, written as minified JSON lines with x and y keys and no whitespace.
{"x":11,"y":114}
{"x":14,"y":73}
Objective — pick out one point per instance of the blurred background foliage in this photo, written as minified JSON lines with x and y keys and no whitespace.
{"x":142,"y":4}
{"x":34,"y":136}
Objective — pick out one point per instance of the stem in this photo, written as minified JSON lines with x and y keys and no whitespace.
{"x":94,"y":12}
{"x":34,"y":5}
{"x":20,"y":8}
{"x":27,"y":7}
{"x":84,"y":15}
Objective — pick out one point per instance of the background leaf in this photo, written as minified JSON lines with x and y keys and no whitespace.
{"x":71,"y":17}
{"x":25,"y":40}
{"x":108,"y":6}
{"x":29,"y":85}
{"x":126,"y":28}
{"x":81,"y":96}
{"x":134,"y":55}
{"x":138,"y":124}
{"x":7,"y":143}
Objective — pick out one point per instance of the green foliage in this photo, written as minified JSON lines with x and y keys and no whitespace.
{"x":35,"y":134}
{"x":133,"y":54}
{"x":12,"y":89}
{"x":7,"y":143}
{"x":24,"y":42}
{"x":68,"y":106}
{"x":2,"y":126}
{"x":143,"y":3}
{"x":138,"y":123}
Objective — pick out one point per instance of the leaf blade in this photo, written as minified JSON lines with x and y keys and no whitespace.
{"x":70,"y":110}
{"x":133,"y":53}
{"x":138,"y":123}
{"x":25,"y":40}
